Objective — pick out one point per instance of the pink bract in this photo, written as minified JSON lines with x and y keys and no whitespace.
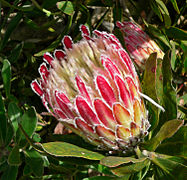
{"x":93,"y":89}
{"x":138,"y":43}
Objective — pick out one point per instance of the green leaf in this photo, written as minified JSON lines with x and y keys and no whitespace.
{"x":29,"y":121}
{"x":129,"y":168}
{"x":159,"y":82}
{"x":14,"y":156}
{"x":62,"y":149}
{"x":31,"y":23}
{"x":158,"y":34}
{"x":6,"y":75}
{"x":2,"y":106}
{"x":27,"y":170}
{"x":169,"y":97}
{"x":164,"y":12}
{"x":15,"y":53}
{"x":167,"y":130}
{"x":176,"y":33}
{"x":173,"y":55}
{"x":66,"y":7}
{"x":14,"y":114}
{"x":149,"y":86}
{"x":11,"y":27}
{"x":175,"y":6}
{"x":176,"y":145}
{"x":35,"y":161}
{"x":10,"y":173}
{"x":156,"y":9}
{"x":113,"y":161}
{"x":169,"y":163}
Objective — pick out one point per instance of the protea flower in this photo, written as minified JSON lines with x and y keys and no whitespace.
{"x":138,"y":43}
{"x":93,"y":89}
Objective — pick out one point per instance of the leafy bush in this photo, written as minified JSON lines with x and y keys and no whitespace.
{"x":29,"y":149}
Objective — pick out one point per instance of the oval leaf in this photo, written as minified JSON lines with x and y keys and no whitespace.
{"x":14,"y":114}
{"x":14,"y":156}
{"x":29,"y":121}
{"x":62,"y":149}
{"x":66,"y":7}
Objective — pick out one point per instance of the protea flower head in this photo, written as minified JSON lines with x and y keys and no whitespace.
{"x":93,"y":89}
{"x":138,"y":43}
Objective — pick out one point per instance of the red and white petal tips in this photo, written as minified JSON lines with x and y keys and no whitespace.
{"x":138,"y":43}
{"x":93,"y":89}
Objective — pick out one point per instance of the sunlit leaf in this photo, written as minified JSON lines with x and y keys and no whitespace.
{"x":14,"y":114}
{"x":164,"y":12}
{"x":113,"y":161}
{"x":158,"y":34}
{"x":62,"y":149}
{"x":173,"y":55}
{"x":66,"y":7}
{"x":169,"y":164}
{"x":176,"y":145}
{"x":159,"y":81}
{"x":174,"y":2}
{"x":149,"y":86}
{"x":166,"y":131}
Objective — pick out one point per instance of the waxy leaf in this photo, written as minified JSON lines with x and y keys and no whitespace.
{"x":6,"y":75}
{"x":66,"y":7}
{"x":29,"y":121}
{"x":14,"y":114}
{"x":62,"y":149}
{"x":166,"y":131}
{"x":113,"y":161}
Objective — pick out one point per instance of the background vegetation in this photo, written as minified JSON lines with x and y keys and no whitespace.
{"x":29,"y":149}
